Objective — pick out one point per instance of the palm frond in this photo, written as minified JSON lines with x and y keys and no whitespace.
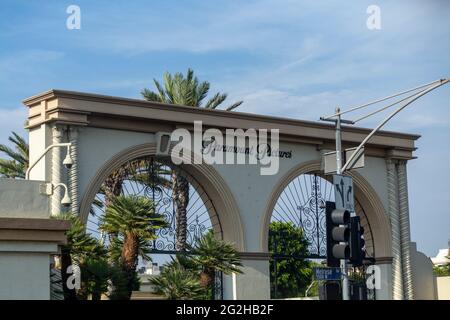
{"x":213,"y":254}
{"x":150,"y":95}
{"x":234,"y":105}
{"x":16,"y":166}
{"x":187,"y":91}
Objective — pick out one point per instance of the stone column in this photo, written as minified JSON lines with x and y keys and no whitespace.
{"x":73,"y":173}
{"x":392,"y":187}
{"x":405,"y":235}
{"x":254,"y":283}
{"x":57,"y":133}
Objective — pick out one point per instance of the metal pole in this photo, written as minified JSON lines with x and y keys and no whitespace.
{"x":338,"y":143}
{"x":382,"y":99}
{"x":349,"y":161}
{"x":345,"y":293}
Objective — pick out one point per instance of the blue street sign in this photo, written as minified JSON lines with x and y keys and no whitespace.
{"x":324,"y":273}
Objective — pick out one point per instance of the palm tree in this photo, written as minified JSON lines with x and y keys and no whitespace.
{"x":131,"y":219}
{"x":178,"y":282}
{"x":212,"y":255}
{"x":96,"y":273}
{"x":80,"y":246}
{"x":17,"y":165}
{"x":185,"y":91}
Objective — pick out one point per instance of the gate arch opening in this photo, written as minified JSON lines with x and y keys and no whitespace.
{"x":368,"y":205}
{"x":158,"y":180}
{"x":294,"y":230}
{"x":202,"y":177}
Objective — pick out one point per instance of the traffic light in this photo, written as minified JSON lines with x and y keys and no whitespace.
{"x":338,"y":234}
{"x":357,"y":250}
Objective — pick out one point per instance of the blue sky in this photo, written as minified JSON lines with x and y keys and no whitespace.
{"x":297,"y":59}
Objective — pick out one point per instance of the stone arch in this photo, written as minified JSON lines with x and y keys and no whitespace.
{"x":366,"y":195}
{"x":216,"y":188}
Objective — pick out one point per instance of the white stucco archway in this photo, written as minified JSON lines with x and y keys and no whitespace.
{"x":105,"y":132}
{"x":366,"y":195}
{"x":213,"y":184}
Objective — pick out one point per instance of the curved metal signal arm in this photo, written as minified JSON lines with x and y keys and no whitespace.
{"x":353,"y":156}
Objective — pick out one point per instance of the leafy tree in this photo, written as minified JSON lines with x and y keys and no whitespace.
{"x":17,"y":165}
{"x":187,"y":91}
{"x":291,"y":274}
{"x":133,"y":221}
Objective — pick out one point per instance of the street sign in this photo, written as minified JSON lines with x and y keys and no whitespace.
{"x":324,"y":273}
{"x":344,"y":192}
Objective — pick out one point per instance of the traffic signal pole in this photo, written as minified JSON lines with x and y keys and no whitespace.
{"x":341,"y":168}
{"x":345,"y":287}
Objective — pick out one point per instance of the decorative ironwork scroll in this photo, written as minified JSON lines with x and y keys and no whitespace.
{"x":302,"y":204}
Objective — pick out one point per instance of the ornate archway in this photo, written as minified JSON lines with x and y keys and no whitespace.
{"x":302,"y":204}
{"x":295,"y":230}
{"x":206,"y":182}
{"x":153,"y":178}
{"x":370,"y":207}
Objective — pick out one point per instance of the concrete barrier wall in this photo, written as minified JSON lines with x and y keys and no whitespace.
{"x":22,"y":199}
{"x":28,"y":238}
{"x":443,"y":288}
{"x":423,"y":278}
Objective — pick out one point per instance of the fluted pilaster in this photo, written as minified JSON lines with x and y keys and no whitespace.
{"x":73,"y":173}
{"x":57,"y":134}
{"x":405,"y":234}
{"x":392,"y":185}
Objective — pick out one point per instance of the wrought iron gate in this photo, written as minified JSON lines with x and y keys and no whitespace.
{"x":154,"y":178}
{"x":300,"y":209}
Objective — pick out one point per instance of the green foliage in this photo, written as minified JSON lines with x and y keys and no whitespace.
{"x":85,"y":251}
{"x":131,"y":223}
{"x":133,"y":214}
{"x":187,"y":91}
{"x":444,"y":270}
{"x":290,"y":273}
{"x":441,"y":271}
{"x":210,"y":253}
{"x":95,"y":275}
{"x":121,"y":284}
{"x":178,"y":282}
{"x":182,"y":278}
{"x":17,"y":164}
{"x":80,"y":245}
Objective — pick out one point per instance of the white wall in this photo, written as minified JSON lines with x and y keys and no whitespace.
{"x":39,"y":139}
{"x":254,"y":283}
{"x":25,"y":270}
{"x":443,"y":288}
{"x":21,"y":199}
{"x":422,"y":275}
{"x":96,"y":146}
